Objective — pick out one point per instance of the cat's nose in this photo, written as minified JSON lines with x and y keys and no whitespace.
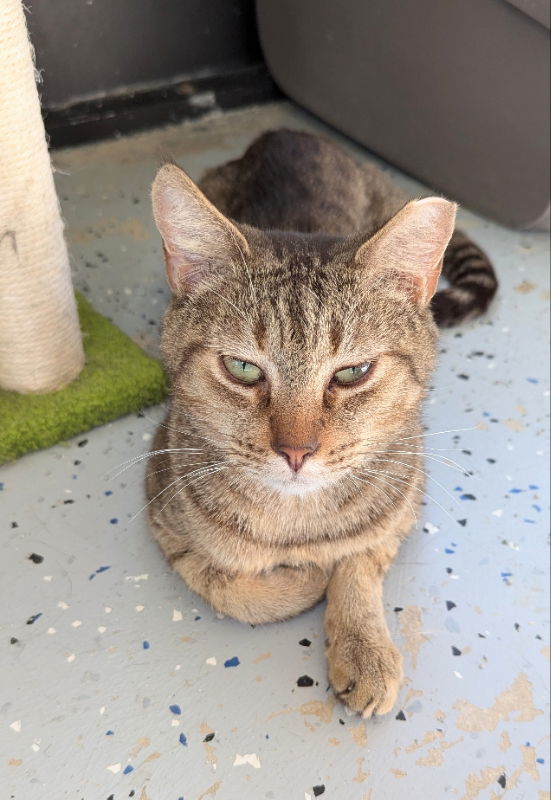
{"x":296,"y":456}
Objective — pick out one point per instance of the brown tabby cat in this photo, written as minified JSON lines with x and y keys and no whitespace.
{"x":299,"y":343}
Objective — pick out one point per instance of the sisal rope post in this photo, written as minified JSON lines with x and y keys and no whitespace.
{"x":40,"y":342}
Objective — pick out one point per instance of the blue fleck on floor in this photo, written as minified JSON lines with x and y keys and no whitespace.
{"x":117,"y":682}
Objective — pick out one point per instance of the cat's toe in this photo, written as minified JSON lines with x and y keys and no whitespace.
{"x":365,"y":677}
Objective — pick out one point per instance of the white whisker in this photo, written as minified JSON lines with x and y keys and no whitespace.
{"x":389,"y":442}
{"x":175,"y":466}
{"x":374,"y":486}
{"x":229,"y":302}
{"x":418,"y":489}
{"x":374,"y":474}
{"x":182,"y":477}
{"x":445,"y":449}
{"x":444,"y":460}
{"x":437,"y":433}
{"x":422,"y":471}
{"x":246,"y":268}
{"x":211,"y":471}
{"x":189,"y":433}
{"x":132,"y":461}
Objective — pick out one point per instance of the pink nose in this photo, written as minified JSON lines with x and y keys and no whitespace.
{"x":295,"y":456}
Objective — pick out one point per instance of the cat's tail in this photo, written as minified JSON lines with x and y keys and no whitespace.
{"x":473,"y":282}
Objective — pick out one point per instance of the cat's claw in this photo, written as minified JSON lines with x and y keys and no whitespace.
{"x":365,"y":678}
{"x":349,"y":688}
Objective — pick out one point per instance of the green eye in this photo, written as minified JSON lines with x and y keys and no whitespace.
{"x":243,"y":371}
{"x":351,"y":374}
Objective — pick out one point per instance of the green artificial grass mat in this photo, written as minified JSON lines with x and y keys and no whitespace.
{"x":118,"y":378}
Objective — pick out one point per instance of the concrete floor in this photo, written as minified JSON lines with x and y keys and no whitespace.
{"x":118,"y":682}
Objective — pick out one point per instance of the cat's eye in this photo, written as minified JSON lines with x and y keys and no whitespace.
{"x":242,"y":371}
{"x":349,"y":375}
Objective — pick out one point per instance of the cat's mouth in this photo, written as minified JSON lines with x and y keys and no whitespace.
{"x":296,"y":483}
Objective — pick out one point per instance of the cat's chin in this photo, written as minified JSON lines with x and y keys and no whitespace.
{"x":296,"y":485}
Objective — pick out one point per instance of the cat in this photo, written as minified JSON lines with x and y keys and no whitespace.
{"x":299,"y":342}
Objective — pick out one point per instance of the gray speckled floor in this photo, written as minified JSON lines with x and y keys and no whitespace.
{"x":118,"y":682}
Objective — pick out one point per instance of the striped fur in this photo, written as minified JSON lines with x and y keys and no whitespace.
{"x":473,"y":283}
{"x":299,"y":260}
{"x":372,"y":198}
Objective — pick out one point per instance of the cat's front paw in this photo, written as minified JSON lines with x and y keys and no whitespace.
{"x":364,"y":674}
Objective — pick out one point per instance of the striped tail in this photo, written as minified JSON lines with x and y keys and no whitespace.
{"x":473,"y":283}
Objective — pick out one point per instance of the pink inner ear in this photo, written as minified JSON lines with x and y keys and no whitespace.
{"x":420,"y":286}
{"x":183,"y":274}
{"x":412,"y":244}
{"x":171,"y":271}
{"x":427,"y":286}
{"x":432,"y":282}
{"x":196,"y":236}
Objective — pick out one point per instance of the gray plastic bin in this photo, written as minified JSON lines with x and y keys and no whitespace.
{"x":455,"y":92}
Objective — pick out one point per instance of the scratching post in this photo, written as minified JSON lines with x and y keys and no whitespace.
{"x":40,"y":342}
{"x":51,"y":387}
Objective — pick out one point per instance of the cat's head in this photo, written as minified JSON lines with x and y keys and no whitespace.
{"x":293,"y":357}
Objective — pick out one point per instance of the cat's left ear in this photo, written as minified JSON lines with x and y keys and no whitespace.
{"x":197,"y":239}
{"x":412,"y":245}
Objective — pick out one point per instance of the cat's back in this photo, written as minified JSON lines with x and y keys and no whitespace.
{"x":291,"y":180}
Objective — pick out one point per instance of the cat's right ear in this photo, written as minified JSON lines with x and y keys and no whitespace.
{"x":412,"y":244}
{"x":197,"y":239}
